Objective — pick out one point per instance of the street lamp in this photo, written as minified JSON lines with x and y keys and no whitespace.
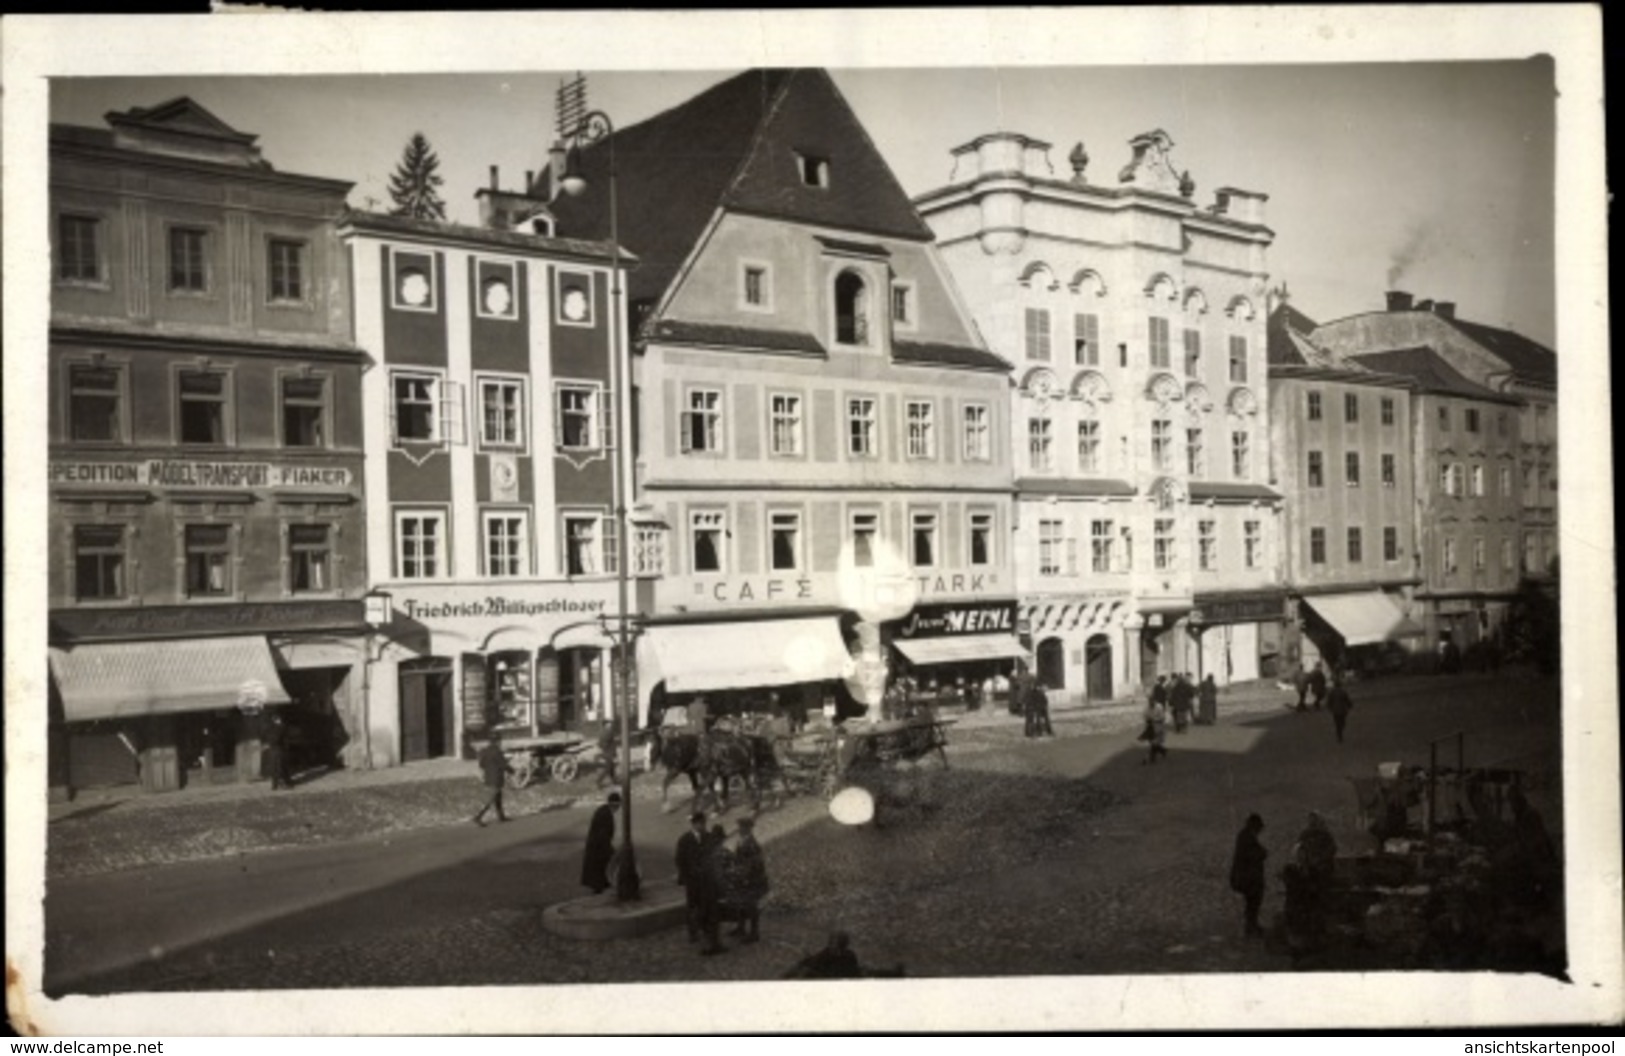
{"x":590,"y":128}
{"x":378,"y":611}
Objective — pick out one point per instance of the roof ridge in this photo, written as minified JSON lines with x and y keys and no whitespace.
{"x":742,"y":163}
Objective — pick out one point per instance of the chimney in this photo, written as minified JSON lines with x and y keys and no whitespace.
{"x":1425,"y":304}
{"x":1399,"y":301}
{"x":495,"y":185}
{"x":530,"y":181}
{"x":1445,"y":309}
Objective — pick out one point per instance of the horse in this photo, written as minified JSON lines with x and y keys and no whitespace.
{"x":724,"y":756}
{"x":679,"y":752}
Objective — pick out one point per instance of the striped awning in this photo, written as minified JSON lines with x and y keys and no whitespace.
{"x":126,"y":679}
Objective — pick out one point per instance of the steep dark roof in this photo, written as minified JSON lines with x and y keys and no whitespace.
{"x":1431,"y":372}
{"x":735,"y":146}
{"x":1283,"y":322}
{"x":938,"y":353}
{"x":681,"y":332}
{"x":1527,"y":358}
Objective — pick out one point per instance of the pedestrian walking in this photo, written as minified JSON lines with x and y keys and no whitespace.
{"x":1317,"y":685}
{"x":748,"y":883}
{"x":600,"y":846}
{"x":1340,"y":704}
{"x":609,"y":753}
{"x":276,"y":751}
{"x":1207,"y":696}
{"x":1156,"y":729}
{"x":1247,"y":872}
{"x":1181,"y":696}
{"x":1035,"y":704}
{"x":1300,"y":682}
{"x":494,"y":769}
{"x":690,"y":847}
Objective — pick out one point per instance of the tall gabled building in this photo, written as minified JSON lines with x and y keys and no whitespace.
{"x":809,"y":388}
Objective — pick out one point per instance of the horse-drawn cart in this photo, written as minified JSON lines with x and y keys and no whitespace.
{"x":550,"y":754}
{"x":826,"y":762}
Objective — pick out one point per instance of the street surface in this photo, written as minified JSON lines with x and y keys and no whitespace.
{"x":1051,"y":857}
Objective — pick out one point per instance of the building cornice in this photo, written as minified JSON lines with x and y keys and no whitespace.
{"x":221,"y":344}
{"x":122,"y":156}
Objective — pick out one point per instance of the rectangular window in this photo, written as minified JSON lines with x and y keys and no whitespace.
{"x":583,"y":544}
{"x":1390,"y":544}
{"x":649,"y":550}
{"x":1351,"y":468}
{"x":582,"y":421}
{"x":1312,"y":409}
{"x":814,"y":170}
{"x":310,"y":558}
{"x":1051,"y":546}
{"x":1037,"y":333}
{"x":95,"y":403}
{"x":701,"y":423}
{"x":1387,"y":410}
{"x":208,"y":560}
{"x":1479,"y":558}
{"x":1193,"y":353}
{"x":1390,"y":475}
{"x":1159,"y":343}
{"x":1100,"y":546}
{"x":981,"y":539}
{"x":1163,"y":555}
{"x":1477,"y":481}
{"x":1238,"y":358}
{"x":286,"y":273}
{"x":1506,"y":482}
{"x":507,"y":544}
{"x":425,"y":408}
{"x":706,"y":533}
{"x":1449,"y":556}
{"x":203,"y":407}
{"x":1252,"y":538}
{"x":304,"y":412}
{"x":1207,"y":545}
{"x":784,"y":409}
{"x":1444,"y":419}
{"x":922,"y":429}
{"x":1089,"y":446}
{"x":784,"y":542}
{"x":978,"y":438}
{"x":923,"y":534}
{"x":861,"y":427}
{"x":1317,"y":471}
{"x":902,"y":305}
{"x":1241,"y":457}
{"x":1195,"y":455}
{"x":98,"y":562}
{"x":420,"y":544}
{"x":1506,"y":555}
{"x":78,"y":248}
{"x":1351,"y":407}
{"x":1317,"y":546}
{"x":865,"y":531}
{"x":756,"y":287}
{"x":188,"y":268}
{"x":1040,"y":449}
{"x":1162,"y":444}
{"x":1356,"y":547}
{"x":1471,"y":415}
{"x":502,"y":412}
{"x":1086,"y":339}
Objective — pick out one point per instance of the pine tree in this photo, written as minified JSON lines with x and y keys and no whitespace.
{"x":413,"y":186}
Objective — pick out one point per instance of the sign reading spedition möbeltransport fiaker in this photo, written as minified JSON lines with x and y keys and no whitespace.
{"x":198,"y":473}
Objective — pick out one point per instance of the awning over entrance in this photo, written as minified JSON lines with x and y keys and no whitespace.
{"x":124,"y":679}
{"x":956,"y":649}
{"x":714,"y":656}
{"x":1364,"y":619}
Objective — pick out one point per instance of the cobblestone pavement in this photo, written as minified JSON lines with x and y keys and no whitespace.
{"x":1063,"y":856}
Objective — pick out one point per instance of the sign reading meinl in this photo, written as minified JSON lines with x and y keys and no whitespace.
{"x":195,"y":473}
{"x":939,"y":621}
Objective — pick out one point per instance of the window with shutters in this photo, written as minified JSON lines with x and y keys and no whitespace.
{"x":1193,"y":353}
{"x":700,"y":425}
{"x":1086,"y":339}
{"x":582,"y":421}
{"x":426,"y":408}
{"x":1238,"y":358}
{"x":1037,"y":333}
{"x":1159,"y":343}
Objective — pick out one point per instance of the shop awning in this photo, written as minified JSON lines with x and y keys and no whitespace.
{"x":697,"y":658}
{"x":1365,"y":618}
{"x":960,"y":648}
{"x":124,"y":679}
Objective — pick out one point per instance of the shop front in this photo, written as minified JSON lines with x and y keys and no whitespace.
{"x":957,"y":652}
{"x":1238,"y":635}
{"x":171,"y":696}
{"x":1077,"y":643}
{"x":1355,"y":630}
{"x":460,"y":661}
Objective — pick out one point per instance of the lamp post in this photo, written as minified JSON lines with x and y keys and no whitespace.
{"x":378,"y":613}
{"x":591,"y":127}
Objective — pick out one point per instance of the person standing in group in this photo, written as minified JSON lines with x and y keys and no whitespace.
{"x":1207,"y":697}
{"x":1300,"y":682}
{"x":1180,"y":696}
{"x":711,"y":878}
{"x":1340,"y":704}
{"x":690,"y":852}
{"x":1156,"y":728}
{"x":749,"y":882}
{"x":1317,"y":685}
{"x":600,"y":846}
{"x":1247,"y":872}
{"x":494,"y":768}
{"x":1035,"y":704}
{"x":276,"y":751}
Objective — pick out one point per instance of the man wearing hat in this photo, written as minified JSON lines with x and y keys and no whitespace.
{"x":750,"y":884}
{"x":600,"y":846}
{"x":689,"y":869}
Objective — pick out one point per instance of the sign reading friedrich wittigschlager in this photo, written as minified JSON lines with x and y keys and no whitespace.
{"x":193,"y":473}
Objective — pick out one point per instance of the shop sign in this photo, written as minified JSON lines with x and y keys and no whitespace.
{"x":204,"y":620}
{"x":1238,"y":610}
{"x":941,"y":621}
{"x":196,"y":473}
{"x":822,"y":588}
{"x":540,"y":604}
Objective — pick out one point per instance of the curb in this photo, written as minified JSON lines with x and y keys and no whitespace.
{"x":597,"y":917}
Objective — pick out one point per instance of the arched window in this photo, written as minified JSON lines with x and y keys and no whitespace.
{"x":851,"y":309}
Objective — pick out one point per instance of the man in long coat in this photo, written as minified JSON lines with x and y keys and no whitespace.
{"x":600,"y":846}
{"x":494,"y":768}
{"x":750,"y":884}
{"x":1247,"y":871}
{"x":690,"y":848}
{"x":1339,"y":703}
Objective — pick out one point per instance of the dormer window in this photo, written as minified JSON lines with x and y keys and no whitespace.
{"x":814,"y":170}
{"x":851,"y":309}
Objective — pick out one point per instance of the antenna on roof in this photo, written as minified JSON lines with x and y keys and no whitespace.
{"x":570,"y":106}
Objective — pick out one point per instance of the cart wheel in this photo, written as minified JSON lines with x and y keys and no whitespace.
{"x":564,"y":768}
{"x":521,"y":773}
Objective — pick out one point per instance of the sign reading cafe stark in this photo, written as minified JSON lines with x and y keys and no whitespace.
{"x":190,"y":473}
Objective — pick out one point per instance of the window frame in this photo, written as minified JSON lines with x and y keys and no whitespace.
{"x":1195,"y":452}
{"x":324,"y":408}
{"x":444,"y":400}
{"x":928,"y":520}
{"x":295,"y":548}
{"x":1315,"y":469}
{"x":96,"y":221}
{"x":1159,"y":342}
{"x":872,"y":516}
{"x":226,"y":553}
{"x":432,"y":277}
{"x":1313,"y":409}
{"x":1164,"y":544}
{"x":711,"y":417}
{"x":977,"y":435}
{"x":1386,"y":409}
{"x":980,"y":521}
{"x":482,"y":268}
{"x":1388,"y":469}
{"x":1051,"y":547}
{"x":1241,"y":454}
{"x":1390,"y":544}
{"x":870,"y":435}
{"x":717,"y":523}
{"x":1041,"y":443}
{"x":120,"y":394}
{"x":1317,"y":545}
{"x":813,"y":169}
{"x":520,"y":385}
{"x":599,"y":416}
{"x":1351,"y":408}
{"x":205,"y":261}
{"x":429,"y":514}
{"x":908,"y":291}
{"x":1191,"y":347}
{"x":792,"y":520}
{"x":1351,"y":469}
{"x":927,"y":451}
{"x":121,"y":569}
{"x":1252,"y":543}
{"x":227,"y":402}
{"x":1037,"y":333}
{"x":1086,"y":348}
{"x":1238,"y":359}
{"x":763,"y":271}
{"x":1102,"y":554}
{"x":1162,"y":445}
{"x":862,"y":330}
{"x":526,"y":540}
{"x":565,"y":280}
{"x":603,"y":545}
{"x":1089,"y":457}
{"x":1207,"y":545}
{"x":305,"y":274}
{"x":1354,"y":545}
{"x":796,"y":420}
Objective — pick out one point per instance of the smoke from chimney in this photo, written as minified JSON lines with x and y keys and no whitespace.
{"x":1413,"y":249}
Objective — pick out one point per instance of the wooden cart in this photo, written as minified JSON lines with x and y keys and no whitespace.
{"x":550,"y":754}
{"x":826,"y":762}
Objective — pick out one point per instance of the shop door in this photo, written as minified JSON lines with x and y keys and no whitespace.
{"x":1052,"y":663}
{"x":426,"y":710}
{"x":1098,"y":667}
{"x":1149,"y":654}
